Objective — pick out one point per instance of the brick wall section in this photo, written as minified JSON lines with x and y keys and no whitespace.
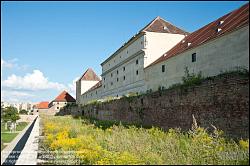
{"x":223,"y":102}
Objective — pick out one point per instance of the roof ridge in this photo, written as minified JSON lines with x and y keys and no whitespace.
{"x":149,"y":24}
{"x":92,"y":72}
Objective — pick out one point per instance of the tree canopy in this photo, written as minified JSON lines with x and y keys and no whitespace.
{"x":10,"y":114}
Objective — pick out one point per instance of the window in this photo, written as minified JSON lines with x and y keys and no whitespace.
{"x":57,"y":107}
{"x":103,"y":86}
{"x":194,"y":57}
{"x":117,"y":79}
{"x":117,"y":72}
{"x":95,"y":92}
{"x":127,"y":51}
{"x":111,"y":83}
{"x":137,"y":61}
{"x":104,"y":78}
{"x":137,"y":72}
{"x":123,"y":77}
{"x":123,"y":68}
{"x":111,"y":75}
{"x":163,"y":68}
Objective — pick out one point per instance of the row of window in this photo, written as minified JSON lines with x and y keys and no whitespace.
{"x":117,"y":79}
{"x":64,"y":103}
{"x":117,"y":72}
{"x":127,"y":53}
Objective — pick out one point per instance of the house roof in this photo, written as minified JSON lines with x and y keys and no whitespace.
{"x":89,"y":75}
{"x":64,"y":96}
{"x":42,"y":105}
{"x":157,"y":25}
{"x":225,"y":24}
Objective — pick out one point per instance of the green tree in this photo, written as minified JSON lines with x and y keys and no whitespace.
{"x":23,"y":111}
{"x":10,"y":114}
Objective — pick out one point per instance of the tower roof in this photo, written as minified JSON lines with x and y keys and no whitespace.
{"x":89,"y":75}
{"x":64,"y":96}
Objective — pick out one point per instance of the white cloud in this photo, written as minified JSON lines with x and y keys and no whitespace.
{"x":33,"y":81}
{"x":12,"y":64}
{"x":6,"y":64}
{"x":15,"y":96}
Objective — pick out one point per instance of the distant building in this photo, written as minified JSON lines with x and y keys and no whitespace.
{"x":41,"y":107}
{"x":19,"y":106}
{"x":61,"y":101}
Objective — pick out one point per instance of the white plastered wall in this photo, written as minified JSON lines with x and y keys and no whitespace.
{"x":159,"y":43}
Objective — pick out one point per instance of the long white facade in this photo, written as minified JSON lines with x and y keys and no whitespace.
{"x":135,"y":66}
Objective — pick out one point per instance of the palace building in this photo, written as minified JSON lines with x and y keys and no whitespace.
{"x":159,"y":53}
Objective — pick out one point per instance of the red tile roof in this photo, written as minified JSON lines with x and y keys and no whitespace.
{"x":65,"y":97}
{"x":229,"y":22}
{"x":89,"y":75}
{"x":42,"y":105}
{"x":156,"y":25}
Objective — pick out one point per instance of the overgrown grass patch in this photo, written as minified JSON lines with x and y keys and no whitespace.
{"x":117,"y":144}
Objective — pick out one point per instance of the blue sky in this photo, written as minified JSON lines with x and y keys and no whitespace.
{"x":55,"y":42}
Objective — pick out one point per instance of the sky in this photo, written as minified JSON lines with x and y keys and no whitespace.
{"x":46,"y":46}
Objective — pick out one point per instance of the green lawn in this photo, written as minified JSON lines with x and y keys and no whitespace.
{"x":21,"y":126}
{"x":8,"y":137}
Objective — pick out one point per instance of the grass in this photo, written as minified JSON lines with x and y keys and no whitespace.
{"x":8,"y":137}
{"x":21,"y":126}
{"x":92,"y":144}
